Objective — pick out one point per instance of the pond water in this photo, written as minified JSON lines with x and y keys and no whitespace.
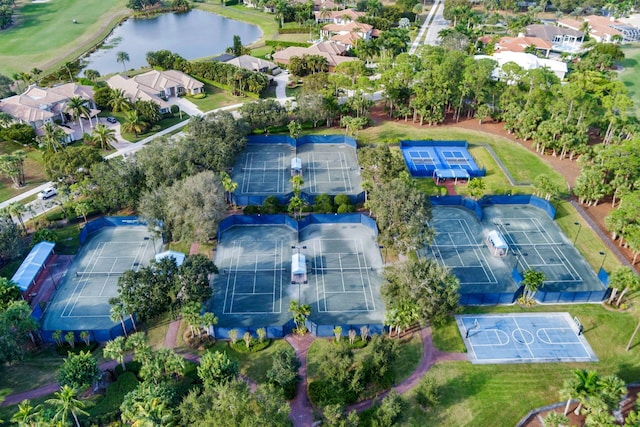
{"x":192,"y":35}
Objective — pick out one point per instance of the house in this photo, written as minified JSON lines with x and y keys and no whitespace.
{"x":38,"y":105}
{"x":156,"y":86}
{"x":333,"y":52}
{"x":348,"y":33}
{"x":252,"y":63}
{"x":337,"y":16}
{"x":521,"y":43}
{"x":562,"y":39}
{"x":525,"y":60}
{"x":603,"y":29}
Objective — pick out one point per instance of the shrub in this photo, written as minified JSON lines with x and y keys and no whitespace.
{"x":175,"y":109}
{"x":283,"y":44}
{"x":342,"y":199}
{"x":201,"y":95}
{"x":251,"y":210}
{"x":254,"y":346}
{"x":115,"y":394}
{"x":346,"y":209}
{"x":271,"y":205}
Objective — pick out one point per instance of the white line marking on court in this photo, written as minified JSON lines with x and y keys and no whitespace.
{"x":498,"y":333}
{"x":547,"y":339}
{"x":525,"y":343}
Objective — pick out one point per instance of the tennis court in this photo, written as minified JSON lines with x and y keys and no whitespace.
{"x":534,"y":242}
{"x":82,"y":299}
{"x":265,"y":169}
{"x":254,"y":286}
{"x":524,"y":338}
{"x":443,"y":159}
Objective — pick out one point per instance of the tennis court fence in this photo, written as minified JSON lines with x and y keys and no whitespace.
{"x":95,"y":335}
{"x":476,"y":206}
{"x":319,"y":330}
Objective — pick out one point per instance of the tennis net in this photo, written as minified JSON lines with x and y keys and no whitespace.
{"x":321,"y":270}
{"x":99,"y":273}
{"x":252,"y":271}
{"x":308,"y":168}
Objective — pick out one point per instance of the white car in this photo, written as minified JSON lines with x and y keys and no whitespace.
{"x":47,"y":192}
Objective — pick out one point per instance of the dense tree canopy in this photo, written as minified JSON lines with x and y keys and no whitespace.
{"x":419,"y":291}
{"x":79,"y":371}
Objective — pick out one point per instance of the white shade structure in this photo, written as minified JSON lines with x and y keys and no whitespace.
{"x":496,"y":243}
{"x":298,"y":268}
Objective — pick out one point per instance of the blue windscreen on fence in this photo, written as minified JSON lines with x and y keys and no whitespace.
{"x":306,"y":139}
{"x":427,"y":158}
{"x":353,"y":218}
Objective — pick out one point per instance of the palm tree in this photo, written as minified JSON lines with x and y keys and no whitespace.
{"x":52,"y":137}
{"x":17,"y":209}
{"x":77,"y":107}
{"x":229,"y":186}
{"x":124,"y":58}
{"x":26,"y":414}
{"x":583,"y":384}
{"x":119,"y":101}
{"x":207,"y":320}
{"x":134,"y":123}
{"x":116,"y":313}
{"x":532,"y":281}
{"x":66,"y":403}
{"x":104,"y":136}
{"x":115,"y":349}
{"x":5,"y":119}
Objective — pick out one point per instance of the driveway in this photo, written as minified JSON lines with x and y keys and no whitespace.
{"x":187,"y":106}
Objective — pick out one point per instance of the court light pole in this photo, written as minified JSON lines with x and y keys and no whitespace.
{"x":604,"y":257}
{"x":384,"y":255}
{"x":577,"y":232}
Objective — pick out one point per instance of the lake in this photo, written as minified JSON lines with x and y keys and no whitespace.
{"x":192,"y":35}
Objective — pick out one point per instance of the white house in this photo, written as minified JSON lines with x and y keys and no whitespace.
{"x":525,"y":60}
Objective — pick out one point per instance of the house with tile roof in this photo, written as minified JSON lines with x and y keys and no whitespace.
{"x":348,"y":34}
{"x":521,"y":43}
{"x":38,"y":105}
{"x":337,"y":16}
{"x":603,"y":29}
{"x":252,"y":63}
{"x":334,"y":53}
{"x":156,"y":86}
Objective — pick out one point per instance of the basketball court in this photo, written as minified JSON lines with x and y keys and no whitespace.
{"x":524,"y":338}
{"x":81,"y":301}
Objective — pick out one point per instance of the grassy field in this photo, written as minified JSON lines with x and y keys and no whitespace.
{"x":500,"y":395}
{"x":45,"y":37}
{"x":630,"y":76}
{"x":33,"y":170}
{"x":215,"y":98}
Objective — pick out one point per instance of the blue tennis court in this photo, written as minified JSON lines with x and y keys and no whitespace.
{"x":442,"y":159}
{"x":524,"y":338}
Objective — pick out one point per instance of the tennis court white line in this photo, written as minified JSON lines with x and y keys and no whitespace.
{"x":523,"y":343}
{"x":497,"y":332}
{"x":92,"y":260}
{"x":232,"y":277}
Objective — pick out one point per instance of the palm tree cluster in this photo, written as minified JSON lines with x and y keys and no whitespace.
{"x":598,"y":396}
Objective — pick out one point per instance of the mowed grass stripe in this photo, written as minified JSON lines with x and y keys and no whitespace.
{"x":45,"y":32}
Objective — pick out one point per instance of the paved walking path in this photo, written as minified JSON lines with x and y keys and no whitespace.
{"x":301,"y":409}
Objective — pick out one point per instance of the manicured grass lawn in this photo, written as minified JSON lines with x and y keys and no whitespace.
{"x":630,"y":76}
{"x":44,"y":35}
{"x":522,"y":165}
{"x":33,"y":170}
{"x":500,"y":395}
{"x":215,"y":98}
{"x":252,"y":365}
{"x":184,"y":247}
{"x":246,"y":14}
{"x":157,"y":330}
{"x":164,"y":124}
{"x":37,"y":369}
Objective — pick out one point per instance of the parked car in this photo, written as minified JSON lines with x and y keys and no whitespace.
{"x":47,"y":192}
{"x":111,"y":119}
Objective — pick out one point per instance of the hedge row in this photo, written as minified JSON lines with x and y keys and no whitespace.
{"x":293,"y":30}
{"x":281,"y":43}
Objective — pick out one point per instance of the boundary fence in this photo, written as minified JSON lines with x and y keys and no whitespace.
{"x":297,"y":226}
{"x":510,"y":297}
{"x":258,"y":200}
{"x":279,"y":331}
{"x":472,"y":167}
{"x":99,"y":335}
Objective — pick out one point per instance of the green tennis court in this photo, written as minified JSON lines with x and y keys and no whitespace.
{"x":326,"y":168}
{"x":81,"y":301}
{"x":534,"y":241}
{"x":254,"y":287}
